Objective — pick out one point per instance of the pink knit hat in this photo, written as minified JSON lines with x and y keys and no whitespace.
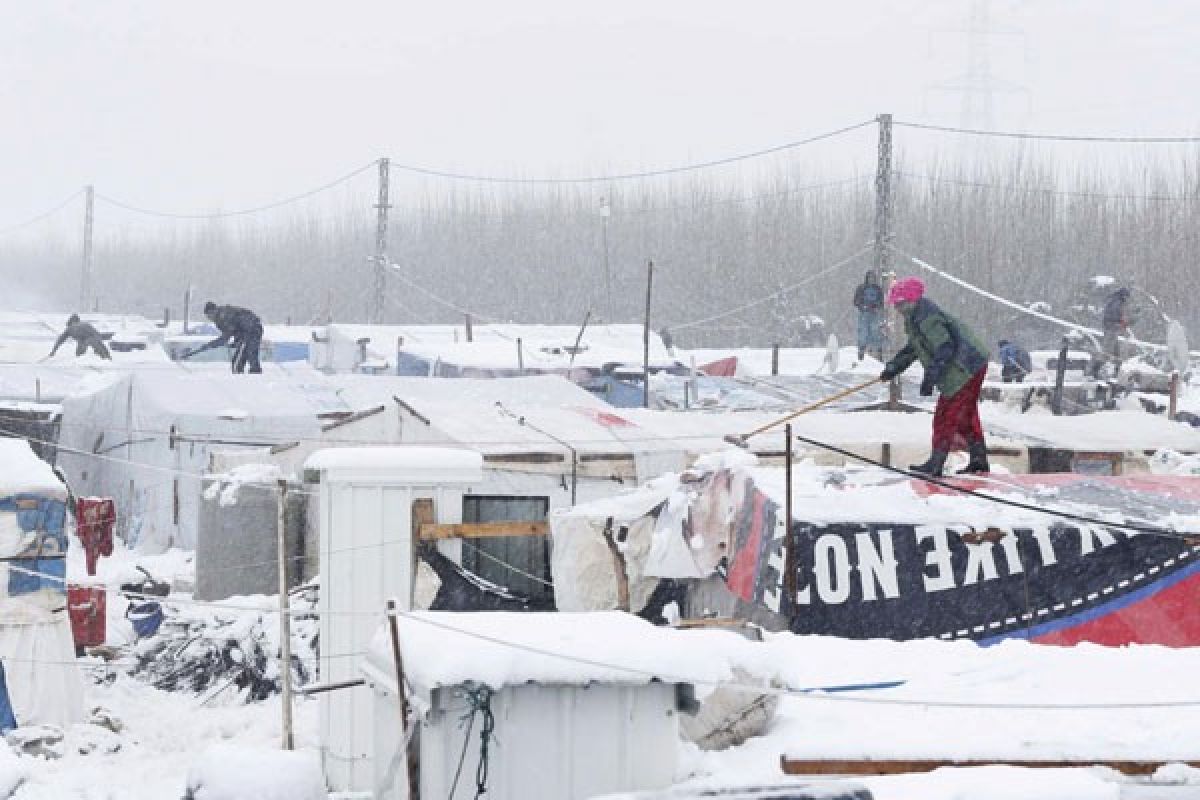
{"x":910,"y":289}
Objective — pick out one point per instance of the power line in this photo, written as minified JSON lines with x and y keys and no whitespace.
{"x":1038,"y":190}
{"x":778,"y":292}
{"x":241,"y":212}
{"x":1052,"y":136}
{"x":42,"y":216}
{"x":631,"y":175}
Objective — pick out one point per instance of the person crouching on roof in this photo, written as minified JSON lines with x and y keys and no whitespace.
{"x":955,"y":362}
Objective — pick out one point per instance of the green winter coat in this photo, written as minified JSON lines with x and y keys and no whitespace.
{"x":950,"y":352}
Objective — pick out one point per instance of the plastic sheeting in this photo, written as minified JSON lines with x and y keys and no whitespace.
{"x":44,"y":684}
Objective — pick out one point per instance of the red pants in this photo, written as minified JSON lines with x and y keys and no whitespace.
{"x":956,"y":418}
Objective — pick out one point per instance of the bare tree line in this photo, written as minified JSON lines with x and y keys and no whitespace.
{"x":1018,"y":229}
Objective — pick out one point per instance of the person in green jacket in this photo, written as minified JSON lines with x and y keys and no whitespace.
{"x":955,"y":362}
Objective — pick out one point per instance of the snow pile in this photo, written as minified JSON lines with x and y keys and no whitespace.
{"x":227,"y":485}
{"x":229,"y":772}
{"x":13,"y":772}
{"x":1170,"y":462}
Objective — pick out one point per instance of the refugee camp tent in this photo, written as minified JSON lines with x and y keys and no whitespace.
{"x":146,"y":438}
{"x":41,"y":684}
{"x":490,"y":350}
{"x":1052,"y":558}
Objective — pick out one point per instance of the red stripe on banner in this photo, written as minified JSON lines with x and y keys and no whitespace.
{"x":1168,"y":617}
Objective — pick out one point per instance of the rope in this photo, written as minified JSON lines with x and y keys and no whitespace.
{"x":970,"y":287}
{"x":991,"y":498}
{"x":632,"y":175}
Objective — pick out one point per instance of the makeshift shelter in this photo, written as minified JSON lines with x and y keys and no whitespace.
{"x":1052,"y":558}
{"x":146,"y":438}
{"x":566,"y":725}
{"x":41,"y":684}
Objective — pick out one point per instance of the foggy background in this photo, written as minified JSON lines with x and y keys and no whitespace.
{"x":185,"y":116}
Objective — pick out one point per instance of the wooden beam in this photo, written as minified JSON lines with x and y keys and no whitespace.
{"x":860,"y":767}
{"x":476,"y":530}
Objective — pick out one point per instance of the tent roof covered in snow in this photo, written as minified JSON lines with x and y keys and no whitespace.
{"x":532,"y":414}
{"x":499,"y":649}
{"x":494,"y":346}
{"x":22,"y":472}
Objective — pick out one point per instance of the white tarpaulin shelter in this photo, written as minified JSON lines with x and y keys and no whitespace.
{"x":36,"y":648}
{"x":145,"y":438}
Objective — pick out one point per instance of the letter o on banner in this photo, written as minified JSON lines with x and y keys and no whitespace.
{"x":831,"y":567}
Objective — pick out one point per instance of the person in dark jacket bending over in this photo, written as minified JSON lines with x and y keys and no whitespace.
{"x":955,"y":362}
{"x":85,"y":336}
{"x":241,"y":329}
{"x":868,"y":299}
{"x":1015,"y":362}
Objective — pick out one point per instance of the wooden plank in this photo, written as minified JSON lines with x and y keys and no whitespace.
{"x":860,"y":767}
{"x":476,"y":530}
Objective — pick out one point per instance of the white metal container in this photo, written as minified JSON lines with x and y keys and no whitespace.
{"x":366,"y":552}
{"x":551,"y":742}
{"x":582,"y":704}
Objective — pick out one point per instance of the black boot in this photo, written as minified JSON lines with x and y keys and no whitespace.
{"x":932,"y":467}
{"x":979,"y":460}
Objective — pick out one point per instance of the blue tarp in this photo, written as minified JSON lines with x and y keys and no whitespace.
{"x":8,"y":720}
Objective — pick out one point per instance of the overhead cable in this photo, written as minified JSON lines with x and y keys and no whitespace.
{"x":42,"y":216}
{"x":1054,"y":137}
{"x":240,"y":212}
{"x":460,"y":176}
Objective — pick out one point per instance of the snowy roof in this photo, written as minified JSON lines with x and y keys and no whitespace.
{"x":495,"y":345}
{"x":451,"y":648}
{"x":823,"y":495}
{"x":21,"y":471}
{"x":507,"y":415}
{"x":1101,"y":431}
{"x":792,"y":360}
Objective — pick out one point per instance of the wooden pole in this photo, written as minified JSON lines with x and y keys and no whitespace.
{"x":646,"y":338}
{"x":1174,"y":404}
{"x":520,"y":356}
{"x":401,"y":694}
{"x":789,"y":547}
{"x":774,"y":359}
{"x":285,"y":620}
{"x":470,"y":332}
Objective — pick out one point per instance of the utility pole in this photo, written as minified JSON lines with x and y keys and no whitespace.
{"x":883,"y":235}
{"x":85,"y":280}
{"x":381,"y":242}
{"x":646,"y":338}
{"x":605,"y":213}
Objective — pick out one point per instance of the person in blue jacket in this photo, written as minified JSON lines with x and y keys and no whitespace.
{"x":1015,"y":363}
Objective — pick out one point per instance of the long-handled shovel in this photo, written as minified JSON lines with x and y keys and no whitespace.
{"x":740,"y":439}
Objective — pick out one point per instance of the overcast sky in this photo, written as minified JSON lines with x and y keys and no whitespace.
{"x":222,"y":104}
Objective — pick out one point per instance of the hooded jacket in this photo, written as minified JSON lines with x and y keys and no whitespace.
{"x":948,"y":350}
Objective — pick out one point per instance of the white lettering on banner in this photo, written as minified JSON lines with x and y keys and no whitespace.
{"x":1010,"y":543}
{"x":831,"y":563}
{"x":938,"y":557}
{"x":981,"y":564}
{"x":1045,"y":546}
{"x":877,"y":565}
{"x":1088,"y":536}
